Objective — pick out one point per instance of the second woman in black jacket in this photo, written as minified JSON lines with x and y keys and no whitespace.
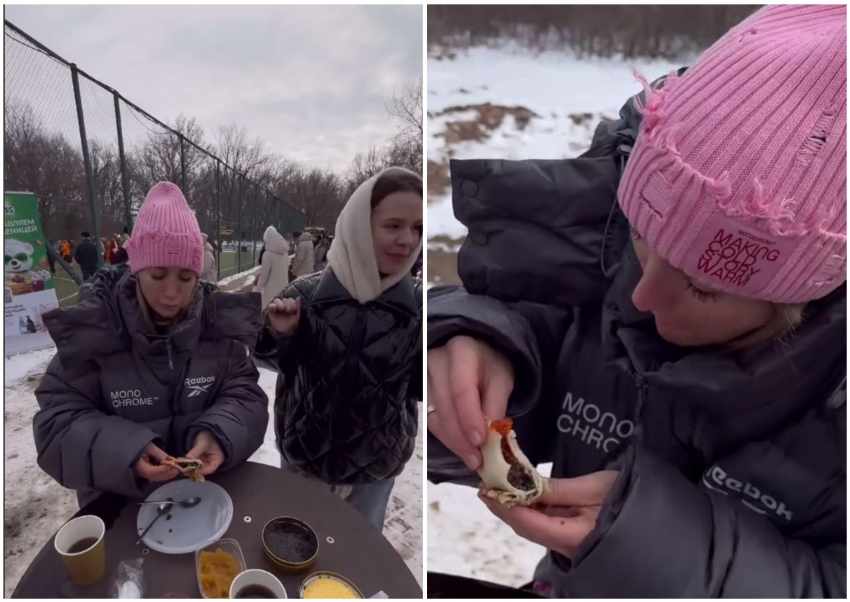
{"x":347,"y":344}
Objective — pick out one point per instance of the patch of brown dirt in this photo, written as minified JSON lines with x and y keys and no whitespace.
{"x":579,"y":118}
{"x":439,"y":178}
{"x":488,"y":118}
{"x":442,"y":267}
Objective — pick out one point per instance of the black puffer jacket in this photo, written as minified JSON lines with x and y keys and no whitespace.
{"x":346,"y":407}
{"x":86,"y":256}
{"x":114,"y":385}
{"x":732,"y":465}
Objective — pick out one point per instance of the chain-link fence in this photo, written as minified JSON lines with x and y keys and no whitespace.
{"x":91,"y":156}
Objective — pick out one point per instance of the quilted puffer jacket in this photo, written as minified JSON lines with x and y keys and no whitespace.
{"x":349,"y":380}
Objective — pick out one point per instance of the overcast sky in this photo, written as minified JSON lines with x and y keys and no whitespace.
{"x":312,"y":82}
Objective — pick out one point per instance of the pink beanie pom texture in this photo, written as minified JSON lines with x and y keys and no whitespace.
{"x":166,"y":233}
{"x":739,"y":174}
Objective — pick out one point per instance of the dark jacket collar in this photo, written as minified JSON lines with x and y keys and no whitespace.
{"x":401,"y":297}
{"x":747,"y":393}
{"x":110,"y":318}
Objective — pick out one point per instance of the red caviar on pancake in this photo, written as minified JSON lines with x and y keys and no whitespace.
{"x":507,"y":475}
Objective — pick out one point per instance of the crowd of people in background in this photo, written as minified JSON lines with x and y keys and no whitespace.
{"x":309,"y":254}
{"x":85,"y":253}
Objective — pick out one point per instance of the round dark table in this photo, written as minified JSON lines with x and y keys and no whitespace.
{"x":260,"y":492}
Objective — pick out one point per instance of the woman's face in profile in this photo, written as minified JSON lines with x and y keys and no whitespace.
{"x":396,"y":230}
{"x":689,"y":313}
{"x":168,"y":291}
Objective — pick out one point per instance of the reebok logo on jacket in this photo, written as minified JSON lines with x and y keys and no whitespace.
{"x":199,"y":385}
{"x":717,"y":480}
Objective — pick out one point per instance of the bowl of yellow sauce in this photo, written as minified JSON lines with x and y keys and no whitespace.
{"x":329,"y":586}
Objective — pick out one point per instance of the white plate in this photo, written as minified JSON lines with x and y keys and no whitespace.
{"x":189,"y":528}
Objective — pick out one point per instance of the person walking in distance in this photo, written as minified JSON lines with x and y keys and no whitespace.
{"x":65,"y":251}
{"x":209,"y":273}
{"x":50,"y":257}
{"x":302,"y":263}
{"x":347,"y":344}
{"x":320,"y":253}
{"x":274,"y":271}
{"x":86,"y":256}
{"x":152,"y":363}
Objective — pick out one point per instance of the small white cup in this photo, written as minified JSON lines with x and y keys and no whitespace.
{"x":257,"y":577}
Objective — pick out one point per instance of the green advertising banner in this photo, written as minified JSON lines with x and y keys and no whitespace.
{"x":28,"y":286}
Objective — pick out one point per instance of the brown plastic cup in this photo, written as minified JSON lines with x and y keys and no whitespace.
{"x":86,"y":566}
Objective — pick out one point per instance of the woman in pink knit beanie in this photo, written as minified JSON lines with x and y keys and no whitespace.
{"x":664,"y":319}
{"x":151,"y":364}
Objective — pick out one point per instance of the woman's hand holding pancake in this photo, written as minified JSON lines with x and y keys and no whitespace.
{"x":148,"y":466}
{"x":467,"y":380}
{"x":565,"y":514}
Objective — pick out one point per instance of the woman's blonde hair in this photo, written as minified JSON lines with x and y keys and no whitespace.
{"x":786,"y":318}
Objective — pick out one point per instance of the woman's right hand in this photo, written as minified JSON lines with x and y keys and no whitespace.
{"x":154,"y":472}
{"x":284,"y":315}
{"x":467,"y":380}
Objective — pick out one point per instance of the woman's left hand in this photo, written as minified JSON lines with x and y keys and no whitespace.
{"x":208,"y":451}
{"x":564,"y":516}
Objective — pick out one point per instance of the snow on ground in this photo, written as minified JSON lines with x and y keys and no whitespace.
{"x":510,"y":104}
{"x":36,"y":506}
{"x":566,"y":95}
{"x":464,"y":538}
{"x":230,"y":279}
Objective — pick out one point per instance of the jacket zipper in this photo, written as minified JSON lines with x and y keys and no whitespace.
{"x":168,"y":348}
{"x":357,"y":339}
{"x":640,"y":384}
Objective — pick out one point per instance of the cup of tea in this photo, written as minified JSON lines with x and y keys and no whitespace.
{"x":80,"y":544}
{"x":255,"y":583}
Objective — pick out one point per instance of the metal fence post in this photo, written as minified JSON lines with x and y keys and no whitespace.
{"x":218,"y":219}
{"x":75,"y":78}
{"x":256,"y":199}
{"x":183,"y":169}
{"x":125,"y":182}
{"x":239,"y":227}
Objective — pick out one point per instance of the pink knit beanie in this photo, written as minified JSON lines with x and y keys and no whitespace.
{"x":739,"y":173}
{"x":166,"y":233}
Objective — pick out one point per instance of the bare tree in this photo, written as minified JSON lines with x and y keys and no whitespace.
{"x":45,"y":163}
{"x":405,"y":109}
{"x":658,"y":31}
{"x":318,"y":193}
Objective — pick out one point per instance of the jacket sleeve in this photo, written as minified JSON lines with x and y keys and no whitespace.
{"x":239,"y":415}
{"x":527,"y":221}
{"x":670,"y":538}
{"x":272,"y":352}
{"x":529,"y":336}
{"x":416,"y":381}
{"x":79,"y":445}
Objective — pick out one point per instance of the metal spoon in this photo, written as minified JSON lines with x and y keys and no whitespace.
{"x":187,"y":503}
{"x":162,"y":510}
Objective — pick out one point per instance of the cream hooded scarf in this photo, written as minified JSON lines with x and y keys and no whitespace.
{"x":352,"y":253}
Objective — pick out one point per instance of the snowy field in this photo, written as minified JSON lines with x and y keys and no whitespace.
{"x":510,"y":104}
{"x":551,"y":103}
{"x":36,"y":506}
